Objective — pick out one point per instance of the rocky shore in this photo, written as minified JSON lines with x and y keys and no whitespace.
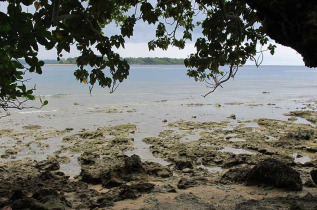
{"x":259,"y":164}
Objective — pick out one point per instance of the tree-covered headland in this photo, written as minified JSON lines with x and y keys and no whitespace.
{"x":138,"y":61}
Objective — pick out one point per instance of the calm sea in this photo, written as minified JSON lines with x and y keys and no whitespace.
{"x":172,"y":81}
{"x":160,"y":92}
{"x":153,"y":95}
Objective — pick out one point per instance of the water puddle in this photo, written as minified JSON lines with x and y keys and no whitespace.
{"x":72,"y":168}
{"x":211,"y":169}
{"x":236,"y":151}
{"x":302,"y":160}
{"x":142,"y":149}
{"x":270,"y":138}
{"x":236,"y":139}
{"x":189,"y":138}
{"x":146,"y":156}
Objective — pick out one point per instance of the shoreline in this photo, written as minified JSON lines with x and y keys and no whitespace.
{"x":175,"y":64}
{"x":191,"y":147}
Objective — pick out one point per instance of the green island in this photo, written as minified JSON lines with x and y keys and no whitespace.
{"x":138,"y":61}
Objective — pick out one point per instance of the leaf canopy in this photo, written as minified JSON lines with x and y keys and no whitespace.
{"x":231,"y":34}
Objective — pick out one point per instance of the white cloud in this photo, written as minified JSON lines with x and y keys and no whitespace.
{"x":283,"y":56}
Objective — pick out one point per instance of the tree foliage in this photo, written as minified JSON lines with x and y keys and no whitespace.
{"x":231,"y":34}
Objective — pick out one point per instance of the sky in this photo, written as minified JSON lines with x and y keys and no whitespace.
{"x":143,"y":33}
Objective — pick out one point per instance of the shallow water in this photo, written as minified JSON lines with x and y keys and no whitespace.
{"x":153,"y":94}
{"x":301,"y":160}
{"x":211,"y":169}
{"x":236,"y":151}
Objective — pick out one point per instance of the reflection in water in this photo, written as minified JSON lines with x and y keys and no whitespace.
{"x":236,"y":151}
{"x":301,"y":160}
{"x":211,"y":169}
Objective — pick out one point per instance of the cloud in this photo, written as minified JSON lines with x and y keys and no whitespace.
{"x":283,"y":56}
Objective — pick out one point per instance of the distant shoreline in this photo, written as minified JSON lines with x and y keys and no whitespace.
{"x":69,"y":64}
{"x":139,"y":61}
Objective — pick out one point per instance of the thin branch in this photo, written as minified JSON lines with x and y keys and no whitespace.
{"x":67,"y":17}
{"x":218,"y":83}
{"x":55,"y":12}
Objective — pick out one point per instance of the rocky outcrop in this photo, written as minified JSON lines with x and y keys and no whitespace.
{"x":269,"y":172}
{"x":48,"y":165}
{"x":43,"y":199}
{"x":313,"y":175}
{"x":182,"y":164}
{"x":292,"y":23}
{"x":306,"y":202}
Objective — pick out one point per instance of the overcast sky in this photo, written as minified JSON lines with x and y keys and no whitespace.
{"x":137,"y":46}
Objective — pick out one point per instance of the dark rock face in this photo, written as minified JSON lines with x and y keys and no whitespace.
{"x":269,"y":172}
{"x":235,"y":175}
{"x":186,"y":183}
{"x":132,"y":191}
{"x":90,"y":175}
{"x":113,"y":173}
{"x":307,"y":202}
{"x":142,"y":187}
{"x":113,"y":182}
{"x":182,"y":164}
{"x":313,"y":175}
{"x":291,"y":23}
{"x":88,"y":158}
{"x":133,"y":164}
{"x":156,"y":169}
{"x":272,"y":172}
{"x":43,"y":199}
{"x":309,"y":183}
{"x":48,"y":165}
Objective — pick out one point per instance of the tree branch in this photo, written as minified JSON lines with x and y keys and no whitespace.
{"x":55,"y":12}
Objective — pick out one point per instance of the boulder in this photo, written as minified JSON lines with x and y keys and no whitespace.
{"x":129,"y":191}
{"x":142,"y":186}
{"x":88,"y":158}
{"x":113,"y":182}
{"x":313,"y":175}
{"x":309,"y":183}
{"x":185,"y":183}
{"x":43,"y":199}
{"x":275,"y":173}
{"x":156,"y":169}
{"x":50,"y":164}
{"x":182,"y":164}
{"x":269,"y":172}
{"x":91,"y":175}
{"x":133,"y":164}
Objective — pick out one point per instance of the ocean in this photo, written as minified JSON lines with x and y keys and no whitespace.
{"x":156,"y":94}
